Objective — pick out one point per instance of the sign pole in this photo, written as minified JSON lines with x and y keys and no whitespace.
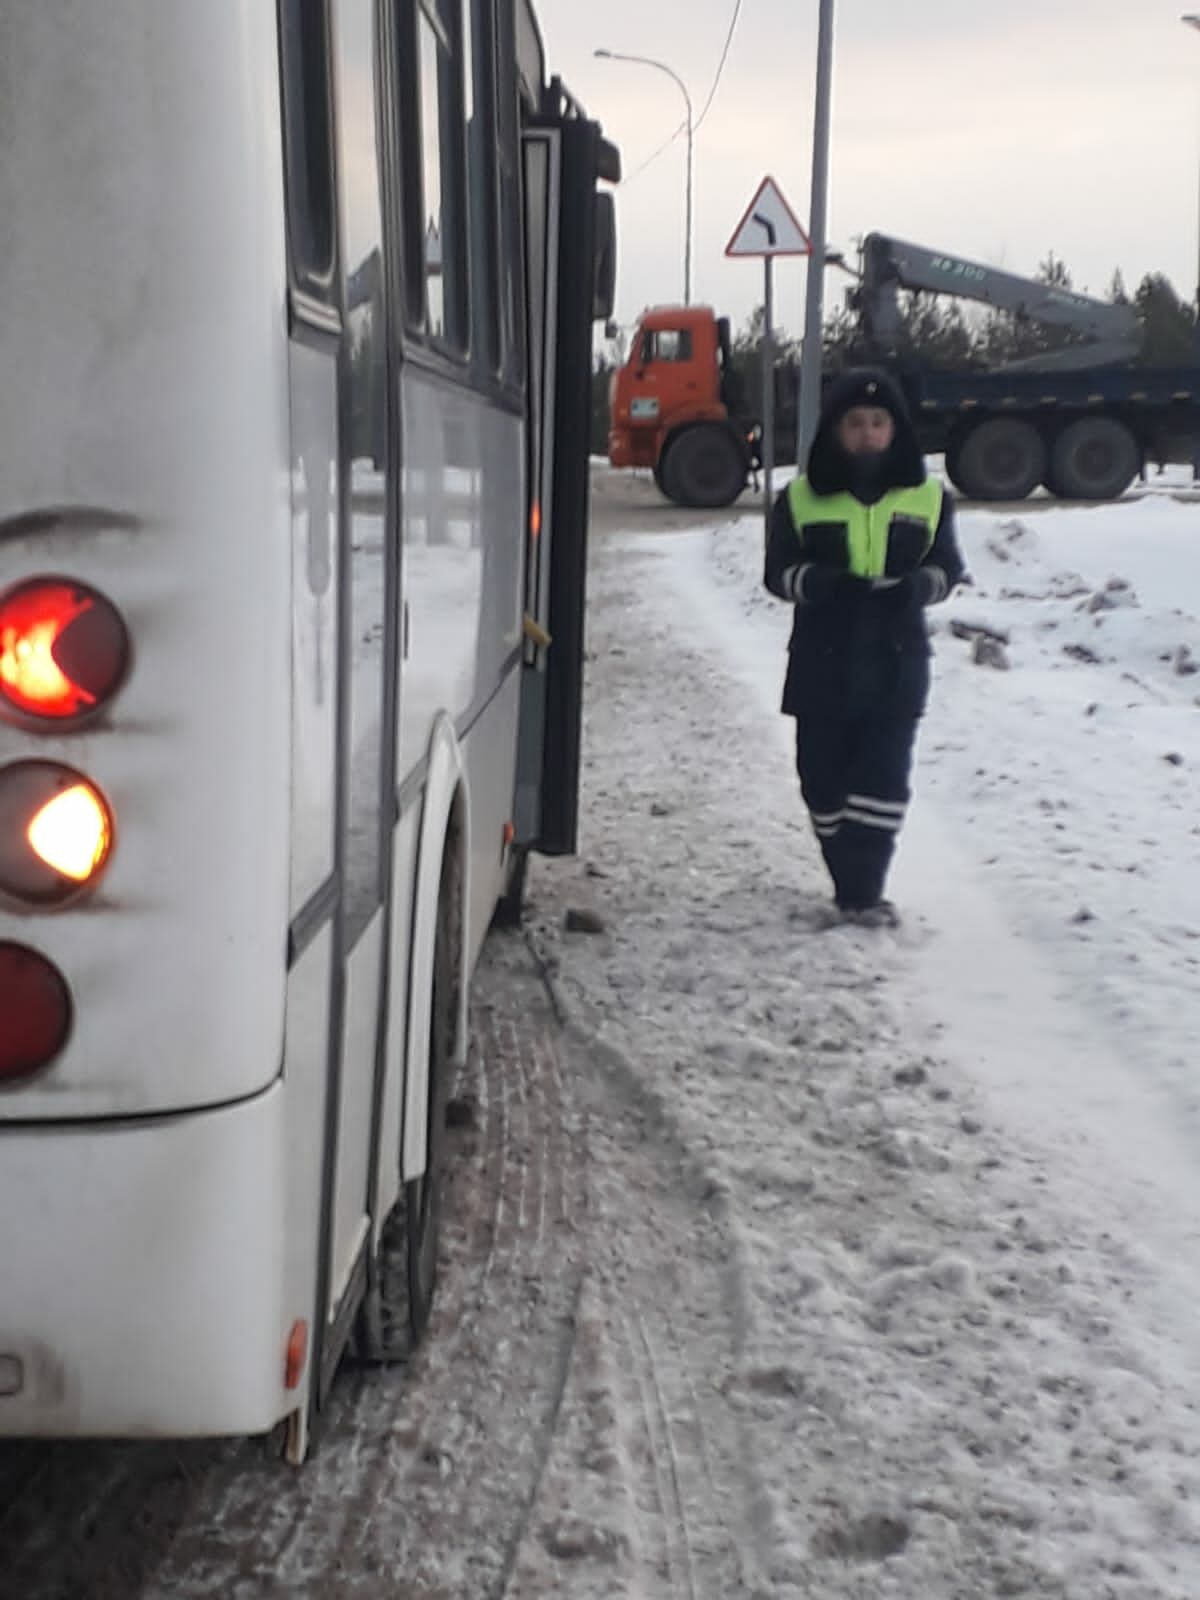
{"x":768,"y":228}
{"x":768,"y":386}
{"x":810,"y":354}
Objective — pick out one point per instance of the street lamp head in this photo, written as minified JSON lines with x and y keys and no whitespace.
{"x":1192,"y":18}
{"x":661,"y":66}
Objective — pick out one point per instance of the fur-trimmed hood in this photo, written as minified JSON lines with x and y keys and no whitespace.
{"x":831,"y":469}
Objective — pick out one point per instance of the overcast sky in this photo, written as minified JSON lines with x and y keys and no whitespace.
{"x":998,"y":130}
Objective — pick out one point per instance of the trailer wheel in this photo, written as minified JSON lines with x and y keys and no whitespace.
{"x":1096,"y":458}
{"x":704,"y":466}
{"x":1002,"y":458}
{"x":953,"y":451}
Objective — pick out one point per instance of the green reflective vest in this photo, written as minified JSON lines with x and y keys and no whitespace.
{"x":868,"y":528}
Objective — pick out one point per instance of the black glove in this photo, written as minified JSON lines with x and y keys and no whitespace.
{"x":929,"y":585}
{"x":924,"y":587}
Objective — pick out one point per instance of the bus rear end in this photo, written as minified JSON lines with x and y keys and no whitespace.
{"x":145,"y":630}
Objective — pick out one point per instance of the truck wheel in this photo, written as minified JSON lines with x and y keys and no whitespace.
{"x":704,"y":467}
{"x":1000,"y":459}
{"x":953,"y":451}
{"x":1096,"y":458}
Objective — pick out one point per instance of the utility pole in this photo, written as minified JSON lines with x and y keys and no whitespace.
{"x":1192,"y":20}
{"x":810,"y":365}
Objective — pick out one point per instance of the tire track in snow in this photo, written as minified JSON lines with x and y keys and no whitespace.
{"x":651,"y":1488}
{"x":422,"y":1481}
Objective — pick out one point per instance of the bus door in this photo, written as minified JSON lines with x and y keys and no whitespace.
{"x":368,"y":661}
{"x":569,"y":277}
{"x":345,"y":589}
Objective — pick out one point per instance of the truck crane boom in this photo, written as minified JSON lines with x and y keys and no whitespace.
{"x":1111,"y":331}
{"x":1080,"y":421}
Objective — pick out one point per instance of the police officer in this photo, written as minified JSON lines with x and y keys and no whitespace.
{"x":860,"y":545}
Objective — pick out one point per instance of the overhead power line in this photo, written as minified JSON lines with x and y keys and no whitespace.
{"x":733,"y":22}
{"x":712,"y":93}
{"x":651,"y":159}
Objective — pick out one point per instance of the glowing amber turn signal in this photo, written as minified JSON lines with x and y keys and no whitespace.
{"x":72,"y":833}
{"x":56,"y":832}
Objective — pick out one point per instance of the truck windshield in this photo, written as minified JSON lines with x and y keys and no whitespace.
{"x":667,"y":344}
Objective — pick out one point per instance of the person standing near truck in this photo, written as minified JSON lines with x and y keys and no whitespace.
{"x":860,"y":545}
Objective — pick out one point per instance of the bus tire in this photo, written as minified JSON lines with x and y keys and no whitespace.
{"x":408,"y":1251}
{"x":1094,"y":458}
{"x":705,"y":466}
{"x":1002,"y":458}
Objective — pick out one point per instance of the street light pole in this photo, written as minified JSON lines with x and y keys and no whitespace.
{"x":810,"y":359}
{"x":661,"y":66}
{"x":1192,"y":20}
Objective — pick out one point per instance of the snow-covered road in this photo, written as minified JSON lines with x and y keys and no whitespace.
{"x":962,"y":1161}
{"x":806,"y":1261}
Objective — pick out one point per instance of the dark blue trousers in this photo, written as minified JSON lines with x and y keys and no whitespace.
{"x":854,"y":775}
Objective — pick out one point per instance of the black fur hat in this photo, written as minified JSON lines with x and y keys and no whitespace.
{"x":830,"y":469}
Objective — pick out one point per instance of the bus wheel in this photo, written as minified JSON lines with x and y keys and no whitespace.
{"x":706,"y":466}
{"x":1003,"y":458}
{"x":1095,"y":458}
{"x":408,"y":1253}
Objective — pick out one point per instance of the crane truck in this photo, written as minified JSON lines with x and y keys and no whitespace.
{"x":1081,"y":420}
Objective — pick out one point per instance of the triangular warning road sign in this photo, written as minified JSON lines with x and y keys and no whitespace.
{"x":769,"y":227}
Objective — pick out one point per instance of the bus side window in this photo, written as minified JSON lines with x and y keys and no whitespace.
{"x":479,"y":65}
{"x":308,"y":144}
{"x":436,"y":227}
{"x":512,"y":325}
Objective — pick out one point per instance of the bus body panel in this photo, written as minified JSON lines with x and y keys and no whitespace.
{"x":182,"y":1216}
{"x":397,"y":1081}
{"x":306,"y":1100}
{"x":152,"y":392}
{"x":461,"y":531}
{"x":444,"y":777}
{"x":489,"y":758}
{"x":362,"y":1017}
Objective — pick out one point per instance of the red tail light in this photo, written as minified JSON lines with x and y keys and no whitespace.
{"x":35,"y":1013}
{"x":56,"y":832}
{"x":63,"y":649}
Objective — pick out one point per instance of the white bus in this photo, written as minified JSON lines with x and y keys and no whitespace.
{"x":296,"y":306}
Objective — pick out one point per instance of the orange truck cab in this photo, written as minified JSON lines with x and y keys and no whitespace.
{"x":676,"y":406}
